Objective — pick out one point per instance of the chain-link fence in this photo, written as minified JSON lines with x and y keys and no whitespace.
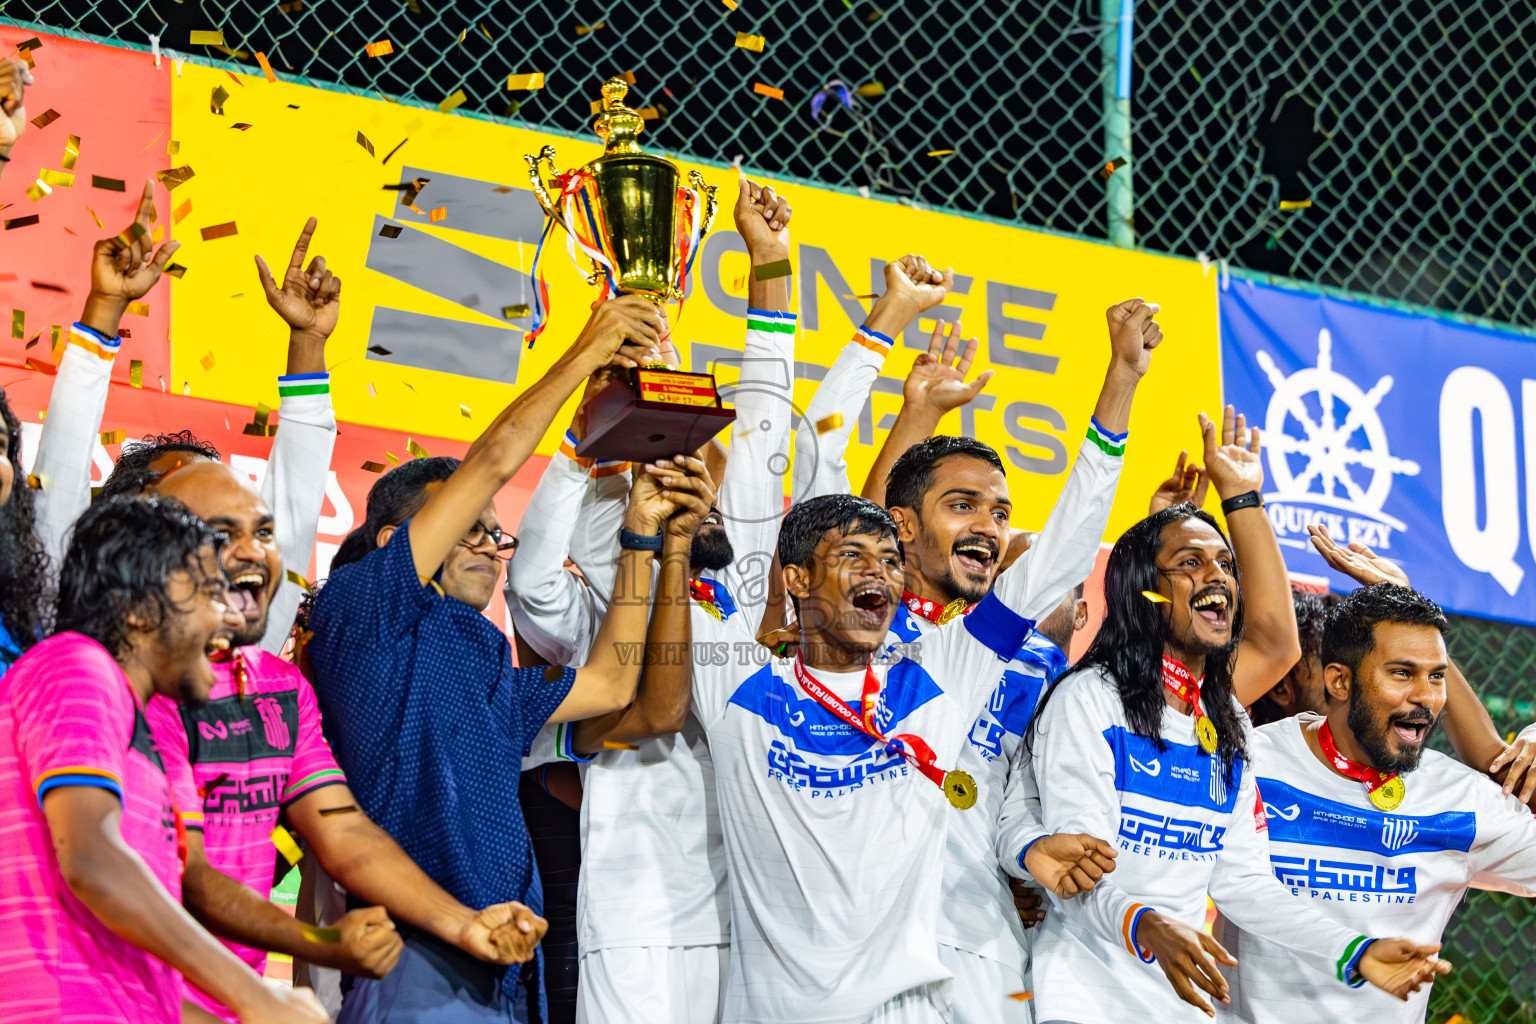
{"x":1383,"y":146}
{"x":1407,"y":125}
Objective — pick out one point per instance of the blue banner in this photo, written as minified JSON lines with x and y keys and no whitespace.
{"x":1413,"y":435}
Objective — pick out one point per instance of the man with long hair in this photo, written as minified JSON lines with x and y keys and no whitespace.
{"x":1366,"y":823}
{"x":92,"y":927}
{"x":24,"y":575}
{"x":1143,"y":741}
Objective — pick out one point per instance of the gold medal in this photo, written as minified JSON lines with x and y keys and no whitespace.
{"x":1205,"y":730}
{"x":955,"y":607}
{"x":960,"y":789}
{"x":1389,"y":794}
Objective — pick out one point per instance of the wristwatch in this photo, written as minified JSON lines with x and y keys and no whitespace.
{"x":1248,"y":499}
{"x":639,"y":541}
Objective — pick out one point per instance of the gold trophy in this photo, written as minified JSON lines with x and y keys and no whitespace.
{"x":638,"y":228}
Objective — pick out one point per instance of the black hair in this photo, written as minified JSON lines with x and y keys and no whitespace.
{"x":132,"y":475}
{"x":810,"y":520}
{"x":906,"y":485}
{"x":393,"y":498}
{"x":24,"y":570}
{"x":1129,"y":645}
{"x":121,"y":553}
{"x":1351,"y":630}
{"x":1311,"y":616}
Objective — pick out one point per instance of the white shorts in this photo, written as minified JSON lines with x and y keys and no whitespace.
{"x":914,"y":1006}
{"x":652,"y":985}
{"x":979,"y":994}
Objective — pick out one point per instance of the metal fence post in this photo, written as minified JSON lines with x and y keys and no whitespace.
{"x":1117,"y":21}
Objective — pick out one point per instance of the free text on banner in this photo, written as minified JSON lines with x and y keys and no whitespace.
{"x":423,"y":331}
{"x":1410,"y":434}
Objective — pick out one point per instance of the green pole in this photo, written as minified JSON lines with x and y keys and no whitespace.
{"x":1115,"y":54}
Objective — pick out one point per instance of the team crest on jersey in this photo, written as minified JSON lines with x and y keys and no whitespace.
{"x":1397,"y":833}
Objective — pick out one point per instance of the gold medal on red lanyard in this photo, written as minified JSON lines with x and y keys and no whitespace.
{"x":1384,"y":791}
{"x":1187,"y":688}
{"x":958,"y":786}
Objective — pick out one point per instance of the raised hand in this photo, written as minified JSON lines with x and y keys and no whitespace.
{"x":1188,"y":958}
{"x":936,"y":383}
{"x":626,"y":331}
{"x":1028,"y":902}
{"x":1189,"y":483}
{"x":504,"y":933}
{"x":1401,"y":967}
{"x":912,"y":286}
{"x":1357,"y":561}
{"x":1069,"y":863}
{"x":762,"y":218}
{"x":686,"y":486}
{"x":14,"y":78}
{"x":1515,"y":762}
{"x":1234,"y":465}
{"x":1133,"y":334}
{"x":125,"y":267}
{"x":308,"y":300}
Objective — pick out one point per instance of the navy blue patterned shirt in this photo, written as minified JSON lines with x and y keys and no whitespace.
{"x":430,"y":722}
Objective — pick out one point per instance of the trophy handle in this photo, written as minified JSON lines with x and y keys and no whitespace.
{"x":540,"y":192}
{"x":711,"y":203}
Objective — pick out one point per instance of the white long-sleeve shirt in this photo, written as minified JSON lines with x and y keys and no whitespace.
{"x":1399,"y":872}
{"x":293,"y":488}
{"x":820,"y":466}
{"x":653,"y":863}
{"x":1181,"y":831}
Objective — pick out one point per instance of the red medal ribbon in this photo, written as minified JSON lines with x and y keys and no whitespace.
{"x":1183,"y":683}
{"x":1368,"y":777}
{"x":917,"y":752}
{"x":929,"y":609}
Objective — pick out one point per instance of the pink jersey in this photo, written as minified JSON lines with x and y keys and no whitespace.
{"x":237,"y":761}
{"x":70,"y":717}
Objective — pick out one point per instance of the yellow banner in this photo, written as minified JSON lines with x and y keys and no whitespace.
{"x":426,"y":345}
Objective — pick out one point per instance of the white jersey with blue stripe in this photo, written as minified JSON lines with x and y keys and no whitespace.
{"x":1383,"y":873}
{"x":1182,"y":829}
{"x":835,"y":843}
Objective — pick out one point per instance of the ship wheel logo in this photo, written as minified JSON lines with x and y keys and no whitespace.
{"x":1325,"y":441}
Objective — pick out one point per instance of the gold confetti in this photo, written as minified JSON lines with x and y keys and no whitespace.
{"x":322,"y":936}
{"x":648,"y":113}
{"x":136,"y":372}
{"x":371,"y":392}
{"x":486,"y":32}
{"x":157,"y":235}
{"x":113,"y":436}
{"x":46,"y":118}
{"x":454,"y":102}
{"x":289,"y":8}
{"x":34,"y":481}
{"x":730,"y":4}
{"x":110,"y":185}
{"x":71,"y":152}
{"x":772,"y":271}
{"x":462,"y":36}
{"x":870,"y":90}
{"x":596,"y":106}
{"x":441,"y":213}
{"x":207,"y":38}
{"x":380,"y":349}
{"x":629,"y":76}
{"x":37,"y":190}
{"x":207,"y":362}
{"x":380,"y":48}
{"x":1021,"y":997}
{"x":1295,"y":204}
{"x":172,"y":148}
{"x":396,"y":149}
{"x":266,"y":67}
{"x":767,"y":90}
{"x":616,"y":745}
{"x":343,"y":809}
{"x":416,"y":449}
{"x":220,"y":231}
{"x":95,"y":218}
{"x":240,"y":126}
{"x":171,"y":177}
{"x":1108,"y":170}
{"x":748,"y":41}
{"x":390,"y":231}
{"x":180,"y":213}
{"x":391,"y":457}
{"x":216,"y":103}
{"x":18,"y":324}
{"x":297,"y":580}
{"x":582,"y":30}
{"x":176,"y":270}
{"x":940,"y":152}
{"x":57,"y":334}
{"x":1155,"y":597}
{"x":531,"y":80}
{"x":138,"y":308}
{"x":375,"y":467}
{"x":286,"y":846}
{"x":362,"y":140}
{"x":827,"y":423}
{"x":30,"y":44}
{"x":22,"y":222}
{"x":514,"y":312}
{"x":464,"y":410}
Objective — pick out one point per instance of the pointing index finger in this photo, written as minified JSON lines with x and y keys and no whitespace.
{"x":301,"y":247}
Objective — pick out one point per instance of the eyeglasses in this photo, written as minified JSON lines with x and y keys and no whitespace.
{"x":477,"y":535}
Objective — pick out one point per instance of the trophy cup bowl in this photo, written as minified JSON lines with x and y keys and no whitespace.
{"x":638,"y":227}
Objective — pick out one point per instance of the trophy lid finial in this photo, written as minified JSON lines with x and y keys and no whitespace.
{"x":618,"y":125}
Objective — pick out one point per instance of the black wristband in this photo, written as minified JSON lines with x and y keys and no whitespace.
{"x":639,"y":541}
{"x":1248,"y":499}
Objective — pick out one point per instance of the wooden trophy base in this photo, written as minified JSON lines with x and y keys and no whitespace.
{"x":623,"y":424}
